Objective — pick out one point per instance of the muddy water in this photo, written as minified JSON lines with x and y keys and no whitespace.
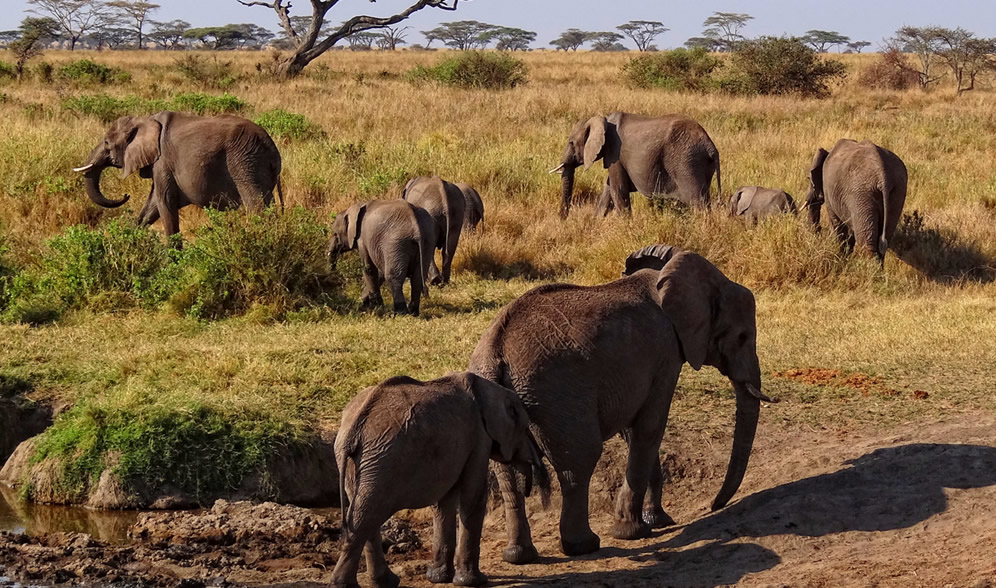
{"x":36,"y":519}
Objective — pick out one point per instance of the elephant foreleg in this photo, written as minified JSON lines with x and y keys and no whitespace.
{"x":443,"y":539}
{"x":653,"y":509}
{"x":520,"y":549}
{"x":150,"y":211}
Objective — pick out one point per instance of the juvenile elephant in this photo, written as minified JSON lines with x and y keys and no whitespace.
{"x":445,"y":202}
{"x":754,"y":203}
{"x":395,"y":241}
{"x":864,"y":189}
{"x":593,"y":362}
{"x":220,"y":161}
{"x":407,"y":444}
{"x":668,"y":155}
{"x":473,"y":207}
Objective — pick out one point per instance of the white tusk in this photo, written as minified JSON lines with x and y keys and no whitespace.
{"x":557,"y":169}
{"x":83,"y":169}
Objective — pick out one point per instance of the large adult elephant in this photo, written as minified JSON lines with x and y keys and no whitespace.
{"x":864,"y":189}
{"x":668,"y":155}
{"x":445,"y":202}
{"x":220,"y":161}
{"x":593,"y":362}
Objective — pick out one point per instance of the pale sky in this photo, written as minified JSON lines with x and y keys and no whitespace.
{"x":869,"y":20}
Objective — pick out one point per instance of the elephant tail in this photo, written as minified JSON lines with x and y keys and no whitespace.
{"x":348,"y":453}
{"x":719,"y":179}
{"x":883,"y":241}
{"x":280,"y":194}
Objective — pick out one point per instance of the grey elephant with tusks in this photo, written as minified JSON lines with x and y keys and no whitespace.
{"x":395,"y":241}
{"x":221,"y":162}
{"x":407,"y":444}
{"x":657,"y":156}
{"x":593,"y":362}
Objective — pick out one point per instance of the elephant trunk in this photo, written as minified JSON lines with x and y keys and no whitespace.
{"x":566,"y":190}
{"x":748,"y":411}
{"x":91,"y":179}
{"x":813,"y":205}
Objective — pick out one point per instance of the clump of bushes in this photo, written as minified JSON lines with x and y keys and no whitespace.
{"x":281,"y":124}
{"x":765,"y":66}
{"x":677,"y":70}
{"x":781,"y":65}
{"x":237,"y":261}
{"x":889,"y":72}
{"x":86,"y":71}
{"x":475,"y":69}
{"x":108,"y":108}
{"x":206,"y":72}
{"x":7,"y":71}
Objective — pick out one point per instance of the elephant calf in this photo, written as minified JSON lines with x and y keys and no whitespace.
{"x":407,"y":444}
{"x":395,"y":241}
{"x":754,"y":203}
{"x":445,"y":202}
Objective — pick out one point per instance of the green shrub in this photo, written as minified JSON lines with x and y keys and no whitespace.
{"x":272,"y":259}
{"x":781,"y":65}
{"x":475,"y":69}
{"x":680,"y":69}
{"x":213,"y":72}
{"x":200,"y":449}
{"x":7,"y":70}
{"x":282,"y":124}
{"x":86,"y":71}
{"x":199,"y":103}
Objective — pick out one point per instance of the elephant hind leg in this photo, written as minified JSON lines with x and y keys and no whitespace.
{"x":381,"y":575}
{"x":443,"y":539}
{"x":574,"y":464}
{"x":520,"y":549}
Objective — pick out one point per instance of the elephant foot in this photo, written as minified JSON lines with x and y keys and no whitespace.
{"x":629,"y":530}
{"x":657,"y":518}
{"x":413,"y":310}
{"x":439,"y":575}
{"x":518,"y":554}
{"x":589,"y":544}
{"x":470,"y":578}
{"x":401,"y":310}
{"x":388,"y":580}
{"x":370,"y":303}
{"x":435,"y":281}
{"x":339,"y":583}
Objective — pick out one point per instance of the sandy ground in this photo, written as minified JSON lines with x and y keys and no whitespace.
{"x":817,"y":508}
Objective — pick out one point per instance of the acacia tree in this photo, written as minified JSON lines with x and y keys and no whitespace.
{"x":821,"y":41}
{"x":33,"y":32}
{"x":168,"y":35}
{"x":923,"y":43}
{"x":462,"y":34}
{"x":965,"y":54}
{"x":606,"y":41}
{"x":362,"y":41}
{"x":643,"y":32}
{"x":136,"y":13}
{"x":857,"y":46}
{"x":571,"y":39}
{"x":725,"y":27}
{"x":310,"y":46}
{"x":707,"y":43}
{"x":511,"y":38}
{"x":390,"y":37}
{"x":75,"y":18}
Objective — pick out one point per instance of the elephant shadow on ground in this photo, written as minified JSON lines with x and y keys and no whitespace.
{"x":887,"y":489}
{"x":939,"y":253}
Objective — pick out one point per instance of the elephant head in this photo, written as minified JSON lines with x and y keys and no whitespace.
{"x":346,"y":231}
{"x":741,"y":200}
{"x":132,"y":143}
{"x":590,"y":141}
{"x":815,"y":196}
{"x":714,"y":319}
{"x":507,"y":423}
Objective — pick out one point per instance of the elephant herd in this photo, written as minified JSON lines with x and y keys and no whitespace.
{"x":555,"y":375}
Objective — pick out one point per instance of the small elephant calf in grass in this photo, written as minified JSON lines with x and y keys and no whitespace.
{"x":406,"y":444}
{"x":754,"y":203}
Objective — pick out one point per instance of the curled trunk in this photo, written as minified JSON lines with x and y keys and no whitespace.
{"x":567,"y":190}
{"x":748,"y":411}
{"x":92,"y":183}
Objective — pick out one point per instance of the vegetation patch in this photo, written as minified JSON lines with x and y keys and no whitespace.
{"x":206,"y":72}
{"x":281,"y":124}
{"x":7,"y":71}
{"x":475,"y":69}
{"x":782,"y":65}
{"x":202,"y":450}
{"x":108,"y":108}
{"x":678,"y":70}
{"x":90,"y":72}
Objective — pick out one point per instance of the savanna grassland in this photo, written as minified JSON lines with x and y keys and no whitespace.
{"x":842,"y":343}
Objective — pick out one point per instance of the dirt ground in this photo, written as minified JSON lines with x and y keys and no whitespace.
{"x":817,"y":508}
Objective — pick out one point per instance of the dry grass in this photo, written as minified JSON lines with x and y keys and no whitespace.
{"x":912,"y":327}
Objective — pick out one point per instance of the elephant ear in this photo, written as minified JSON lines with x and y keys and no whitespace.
{"x":746,"y":197}
{"x":686,"y":286}
{"x":651,"y":257}
{"x":816,"y":171}
{"x":501,"y":410}
{"x":594,"y":142}
{"x":354,"y":219}
{"x":408,"y":186}
{"x":143,"y":145}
